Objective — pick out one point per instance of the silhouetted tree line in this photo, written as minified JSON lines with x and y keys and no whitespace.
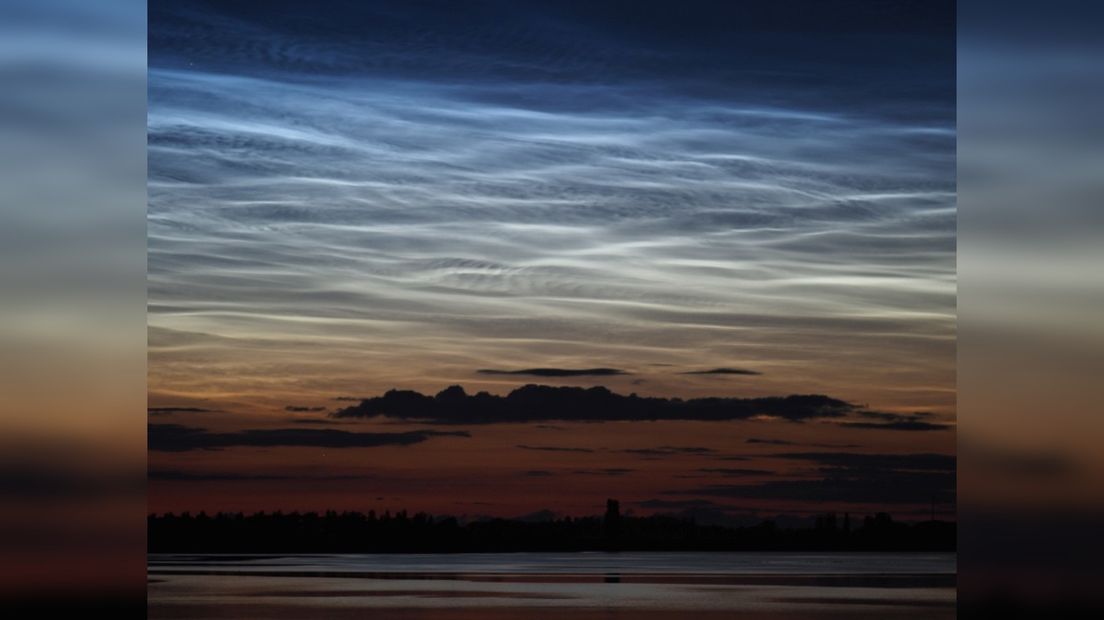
{"x":355,"y":532}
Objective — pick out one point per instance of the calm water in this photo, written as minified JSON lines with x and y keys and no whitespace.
{"x":535,"y":586}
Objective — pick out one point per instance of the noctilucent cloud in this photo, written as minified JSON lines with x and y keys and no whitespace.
{"x":694,"y":198}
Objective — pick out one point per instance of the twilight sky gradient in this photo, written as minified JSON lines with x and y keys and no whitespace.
{"x":677,"y":199}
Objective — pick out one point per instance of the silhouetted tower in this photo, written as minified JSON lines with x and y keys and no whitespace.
{"x":612,"y":523}
{"x":847,"y":523}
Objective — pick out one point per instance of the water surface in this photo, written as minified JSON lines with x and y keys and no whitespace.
{"x":535,"y":586}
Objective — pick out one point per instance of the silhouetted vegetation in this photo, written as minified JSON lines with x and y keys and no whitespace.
{"x":354,"y":532}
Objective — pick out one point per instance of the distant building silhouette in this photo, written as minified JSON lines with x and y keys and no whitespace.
{"x":611,"y":525}
{"x":826,"y":522}
{"x":613,"y":510}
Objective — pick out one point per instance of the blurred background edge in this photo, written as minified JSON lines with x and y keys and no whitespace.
{"x":72,"y":312}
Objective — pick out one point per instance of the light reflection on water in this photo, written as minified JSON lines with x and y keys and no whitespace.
{"x":591,"y":585}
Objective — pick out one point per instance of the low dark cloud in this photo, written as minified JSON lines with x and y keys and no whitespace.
{"x":556,"y":372}
{"x":899,"y":426}
{"x":735,"y":471}
{"x":883,"y":488}
{"x":886,"y":416}
{"x":554,"y":448}
{"x":606,"y":471}
{"x":540,"y":403}
{"x":171,"y":410}
{"x":771,"y":442}
{"x":669,"y":450}
{"x":853,"y":478}
{"x":723,"y":371}
{"x":900,"y":462}
{"x":189,"y":476}
{"x":785,"y":442}
{"x":897,"y":421}
{"x":178,"y":438}
{"x":303,"y":409}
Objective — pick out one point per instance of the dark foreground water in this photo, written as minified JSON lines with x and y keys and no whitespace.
{"x":538,"y":586}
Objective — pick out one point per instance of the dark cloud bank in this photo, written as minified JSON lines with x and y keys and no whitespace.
{"x":222,"y":476}
{"x":554,"y":448}
{"x":171,"y":410}
{"x":730,"y":471}
{"x":605,"y":471}
{"x":853,"y":478}
{"x":187,"y":476}
{"x":723,"y":371}
{"x":556,"y":372}
{"x":786,"y":442}
{"x":919,"y":421}
{"x":669,"y":451}
{"x":875,"y":462}
{"x":538,"y":403}
{"x":771,"y":442}
{"x":179,"y":438}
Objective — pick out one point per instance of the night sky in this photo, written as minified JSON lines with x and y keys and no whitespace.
{"x":747,"y":202}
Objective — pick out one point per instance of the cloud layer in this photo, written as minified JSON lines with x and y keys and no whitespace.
{"x":723,"y":371}
{"x":557,"y":372}
{"x":544,"y":403}
{"x":881,"y":420}
{"x":840,"y":477}
{"x":179,"y":438}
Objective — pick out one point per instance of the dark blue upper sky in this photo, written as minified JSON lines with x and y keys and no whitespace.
{"x":891,"y":55}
